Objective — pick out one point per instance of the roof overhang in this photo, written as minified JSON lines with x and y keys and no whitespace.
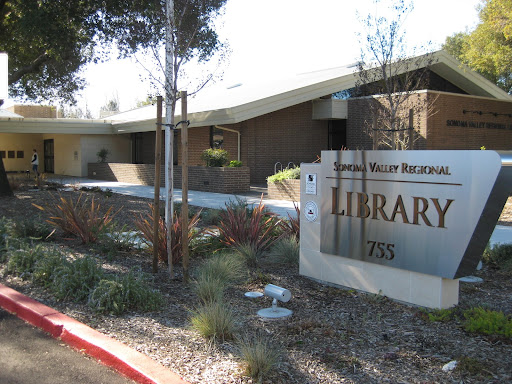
{"x":465,"y":78}
{"x":237,"y":104}
{"x":56,"y":126}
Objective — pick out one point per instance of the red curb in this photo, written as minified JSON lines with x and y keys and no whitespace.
{"x":106,"y":350}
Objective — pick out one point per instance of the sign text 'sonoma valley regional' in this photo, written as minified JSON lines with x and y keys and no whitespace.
{"x":415,"y":210}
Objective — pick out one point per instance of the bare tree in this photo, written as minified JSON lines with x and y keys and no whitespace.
{"x":390,"y":76}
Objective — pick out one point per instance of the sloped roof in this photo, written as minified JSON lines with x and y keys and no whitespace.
{"x":228,"y":105}
{"x":224,"y":104}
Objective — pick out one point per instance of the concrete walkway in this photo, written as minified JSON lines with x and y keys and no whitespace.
{"x":197,"y":198}
{"x":502,"y":234}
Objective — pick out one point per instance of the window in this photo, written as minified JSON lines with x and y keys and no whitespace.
{"x":10,"y":154}
{"x":216,"y":137}
{"x":2,"y":154}
{"x":20,"y":154}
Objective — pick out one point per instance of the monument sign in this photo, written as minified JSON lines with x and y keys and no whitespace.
{"x":425,"y":212}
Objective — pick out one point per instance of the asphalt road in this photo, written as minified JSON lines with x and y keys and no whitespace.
{"x":30,"y":356}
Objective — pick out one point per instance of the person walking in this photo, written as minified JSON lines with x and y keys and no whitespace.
{"x":35,"y":163}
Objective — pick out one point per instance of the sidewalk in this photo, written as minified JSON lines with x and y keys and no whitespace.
{"x":197,"y":198}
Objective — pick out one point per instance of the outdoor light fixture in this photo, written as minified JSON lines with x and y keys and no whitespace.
{"x":275,"y":312}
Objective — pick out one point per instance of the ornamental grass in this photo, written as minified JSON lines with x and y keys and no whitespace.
{"x":82,"y":218}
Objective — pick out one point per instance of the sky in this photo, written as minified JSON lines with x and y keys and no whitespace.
{"x":271,"y":38}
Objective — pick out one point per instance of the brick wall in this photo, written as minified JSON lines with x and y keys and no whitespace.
{"x":34,"y":111}
{"x":360,"y":121}
{"x":207,"y":179}
{"x":288,"y":135}
{"x":438,"y":126}
{"x":284,"y":190}
{"x":474,"y":130}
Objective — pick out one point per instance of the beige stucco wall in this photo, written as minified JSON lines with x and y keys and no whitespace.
{"x":72,"y":153}
{"x":64,"y":148}
{"x":21,"y":142}
{"x":119,"y":147}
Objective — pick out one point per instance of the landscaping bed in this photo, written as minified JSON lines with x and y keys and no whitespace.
{"x":334,"y":335}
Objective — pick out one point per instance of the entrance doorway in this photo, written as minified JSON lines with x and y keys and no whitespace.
{"x":337,"y":138}
{"x":48,"y":156}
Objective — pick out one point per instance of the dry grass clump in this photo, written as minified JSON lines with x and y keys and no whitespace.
{"x":259,"y":356}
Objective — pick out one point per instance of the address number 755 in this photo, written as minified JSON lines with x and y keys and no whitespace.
{"x":381,"y":250}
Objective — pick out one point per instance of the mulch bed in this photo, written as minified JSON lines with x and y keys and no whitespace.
{"x":334,"y":336}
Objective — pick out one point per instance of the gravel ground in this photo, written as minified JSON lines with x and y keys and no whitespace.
{"x":334,"y":335}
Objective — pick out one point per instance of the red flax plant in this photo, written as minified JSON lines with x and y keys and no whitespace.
{"x":256,"y":230}
{"x":145,"y":225}
{"x":291,"y":227}
{"x":82,"y":218}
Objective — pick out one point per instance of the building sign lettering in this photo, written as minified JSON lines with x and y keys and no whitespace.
{"x":477,"y":124}
{"x":415,"y":210}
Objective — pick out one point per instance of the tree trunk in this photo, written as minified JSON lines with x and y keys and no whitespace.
{"x":170,"y":105}
{"x":5,"y":188}
{"x":184,"y":186}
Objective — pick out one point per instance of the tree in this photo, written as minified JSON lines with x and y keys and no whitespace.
{"x":49,"y":42}
{"x":76,"y":112}
{"x":111,"y":106}
{"x":189,"y":35}
{"x":488,"y":49}
{"x":184,"y":31}
{"x":389,"y":70}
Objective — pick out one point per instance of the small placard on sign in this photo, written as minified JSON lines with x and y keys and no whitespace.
{"x":311,"y":184}
{"x":310,"y":211}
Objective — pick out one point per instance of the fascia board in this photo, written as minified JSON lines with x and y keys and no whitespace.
{"x":467,"y":79}
{"x":288,"y":99}
{"x":56,"y":126}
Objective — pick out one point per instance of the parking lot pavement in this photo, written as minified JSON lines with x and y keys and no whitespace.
{"x":30,"y":356}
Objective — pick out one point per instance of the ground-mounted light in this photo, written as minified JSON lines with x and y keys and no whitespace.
{"x":275,"y":312}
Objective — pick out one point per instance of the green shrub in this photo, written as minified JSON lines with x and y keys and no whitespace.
{"x":259,"y":356}
{"x":138,"y":294}
{"x":499,"y":255}
{"x":21,"y":261}
{"x":210,"y":216}
{"x":215,"y":157}
{"x":31,"y":228}
{"x":46,"y":267}
{"x":440,"y":315}
{"x":129,"y":292}
{"x":471,"y":366}
{"x":214,"y":321}
{"x":235,"y":164}
{"x":285,"y":174}
{"x":107,"y":297}
{"x":5,"y":225}
{"x":76,"y":279}
{"x":102,"y":155}
{"x":285,"y":251}
{"x":207,"y":244}
{"x":115,"y":238}
{"x":488,"y":322}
